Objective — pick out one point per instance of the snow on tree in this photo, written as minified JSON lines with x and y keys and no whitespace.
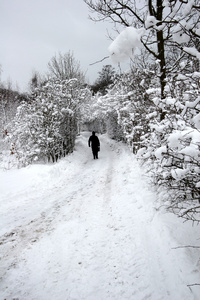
{"x":9,"y":101}
{"x":168,"y":138}
{"x":169,"y":146}
{"x":125,"y":44}
{"x":157,"y":25}
{"x":172,"y":147}
{"x":47,"y":127}
{"x":123,"y":108}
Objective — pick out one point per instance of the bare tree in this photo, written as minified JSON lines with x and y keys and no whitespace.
{"x":65,"y":66}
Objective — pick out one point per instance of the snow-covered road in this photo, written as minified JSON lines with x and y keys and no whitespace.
{"x":87,"y":229}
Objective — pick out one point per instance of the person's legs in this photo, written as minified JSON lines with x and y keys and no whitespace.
{"x":93,"y":152}
{"x":96,"y":152}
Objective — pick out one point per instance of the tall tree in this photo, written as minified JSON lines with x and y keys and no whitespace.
{"x":166,"y":23}
{"x":65,"y":67}
{"x":106,"y":77}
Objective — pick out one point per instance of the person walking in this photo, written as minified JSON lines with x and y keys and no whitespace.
{"x":95,"y":144}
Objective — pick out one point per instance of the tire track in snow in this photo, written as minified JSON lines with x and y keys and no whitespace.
{"x":12,"y":243}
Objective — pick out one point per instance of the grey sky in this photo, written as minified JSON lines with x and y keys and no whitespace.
{"x":32,"y":31}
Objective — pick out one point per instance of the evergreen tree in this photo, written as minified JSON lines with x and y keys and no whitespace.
{"x":105,"y":79}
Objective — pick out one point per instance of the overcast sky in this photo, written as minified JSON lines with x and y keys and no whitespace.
{"x":32,"y":31}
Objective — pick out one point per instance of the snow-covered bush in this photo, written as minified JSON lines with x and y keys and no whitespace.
{"x":46,"y":128}
{"x":9,"y":101}
{"x":163,"y":132}
{"x":125,"y":109}
{"x":172,"y":148}
{"x":160,"y":119}
{"x":132,"y":106}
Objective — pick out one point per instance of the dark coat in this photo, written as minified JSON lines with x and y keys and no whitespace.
{"x":94,"y":142}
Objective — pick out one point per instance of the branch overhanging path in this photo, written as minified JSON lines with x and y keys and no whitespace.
{"x":88,"y":230}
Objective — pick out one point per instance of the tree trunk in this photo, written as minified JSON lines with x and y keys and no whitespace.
{"x":161,"y":57}
{"x":160,"y":42}
{"x":161,"y":49}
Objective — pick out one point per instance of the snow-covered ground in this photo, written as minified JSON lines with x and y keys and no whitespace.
{"x":93,"y":230}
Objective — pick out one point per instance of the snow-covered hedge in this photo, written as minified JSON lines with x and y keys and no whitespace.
{"x":46,"y":128}
{"x":172,"y":148}
{"x":165,"y":133}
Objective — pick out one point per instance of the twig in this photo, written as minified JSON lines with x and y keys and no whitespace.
{"x":186,"y":247}
{"x":193,"y":284}
{"x":99,"y":60}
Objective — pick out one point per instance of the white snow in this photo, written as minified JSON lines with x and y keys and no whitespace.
{"x":174,"y":139}
{"x":188,"y":7}
{"x":94,"y":230}
{"x":150,"y":22}
{"x":192,"y":51}
{"x":194,"y":103}
{"x":196,"y":121}
{"x":178,"y":174}
{"x":159,"y":152}
{"x":192,"y":151}
{"x":125,"y":44}
{"x":179,"y":36}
